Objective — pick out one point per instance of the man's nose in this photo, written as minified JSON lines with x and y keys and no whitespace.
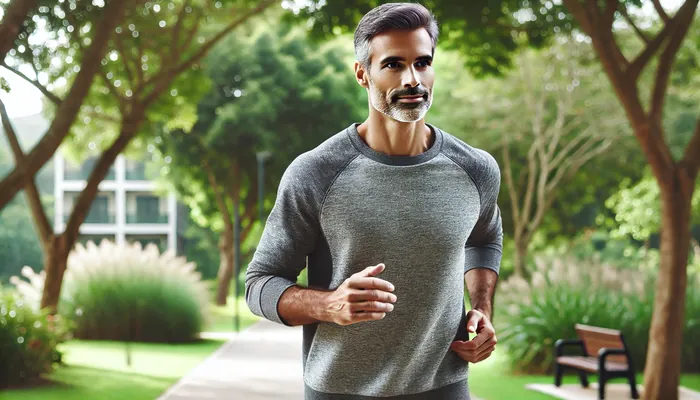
{"x":410,"y":78}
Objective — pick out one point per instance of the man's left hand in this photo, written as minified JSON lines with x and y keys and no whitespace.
{"x":482,"y":345}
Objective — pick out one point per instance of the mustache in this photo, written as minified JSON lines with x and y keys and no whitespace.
{"x":415,"y":91}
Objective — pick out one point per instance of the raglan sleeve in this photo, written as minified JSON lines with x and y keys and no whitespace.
{"x":484,"y":248}
{"x":290,"y":234}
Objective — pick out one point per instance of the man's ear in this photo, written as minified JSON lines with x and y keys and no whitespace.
{"x":361,"y":75}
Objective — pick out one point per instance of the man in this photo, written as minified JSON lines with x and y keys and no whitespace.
{"x":392,"y":216}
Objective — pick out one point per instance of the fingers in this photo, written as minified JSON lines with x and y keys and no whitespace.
{"x":374,"y":270}
{"x":471,"y":355}
{"x":371,"y":283}
{"x":371,"y":306}
{"x":483,"y":340}
{"x":367,"y":316}
{"x":371,"y":295}
{"x":473,"y":321}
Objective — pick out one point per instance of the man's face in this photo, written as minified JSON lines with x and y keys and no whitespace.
{"x":401,"y":75}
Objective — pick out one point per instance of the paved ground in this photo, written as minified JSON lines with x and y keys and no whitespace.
{"x":613,"y":391}
{"x":261,"y":363}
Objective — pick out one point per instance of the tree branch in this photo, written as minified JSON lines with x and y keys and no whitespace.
{"x":54,"y":99}
{"x":129,"y":128}
{"x":164,"y":79}
{"x":128,"y":60}
{"x":33,"y":198}
{"x":628,"y":18}
{"x":218,"y":196}
{"x":70,"y":106}
{"x":11,"y":23}
{"x":666,"y":60}
{"x":660,"y":10}
{"x":637,"y":66}
{"x":508,"y":175}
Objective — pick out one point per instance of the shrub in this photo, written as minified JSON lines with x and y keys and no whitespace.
{"x":563,"y":292}
{"x":28,"y":340}
{"x":124,"y":292}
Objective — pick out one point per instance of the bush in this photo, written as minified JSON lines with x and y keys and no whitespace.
{"x":128,"y":293}
{"x":563,"y":292}
{"x":28,"y":340}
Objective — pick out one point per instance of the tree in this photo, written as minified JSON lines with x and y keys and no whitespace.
{"x":274,"y":91}
{"x":29,"y":50}
{"x":157,"y":47}
{"x":13,"y":16}
{"x":545,"y":120}
{"x":485,"y":31}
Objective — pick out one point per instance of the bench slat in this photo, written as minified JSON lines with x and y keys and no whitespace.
{"x":590,"y":364}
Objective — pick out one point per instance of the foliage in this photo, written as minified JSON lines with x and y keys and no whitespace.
{"x":28,"y":340}
{"x":636,"y":209}
{"x":272,"y":90}
{"x":19,"y":245}
{"x":487,"y":32}
{"x":124,"y":292}
{"x":566,"y":291}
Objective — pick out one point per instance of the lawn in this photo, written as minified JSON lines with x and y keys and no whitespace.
{"x":98,"y":369}
{"x":222,"y":316}
{"x":491,"y":380}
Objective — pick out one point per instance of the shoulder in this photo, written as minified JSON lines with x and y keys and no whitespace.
{"x":316,"y":169}
{"x":481,"y":166}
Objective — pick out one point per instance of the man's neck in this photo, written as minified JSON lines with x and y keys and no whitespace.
{"x":395,"y":138}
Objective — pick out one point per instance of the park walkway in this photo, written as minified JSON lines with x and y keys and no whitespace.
{"x":261,"y":363}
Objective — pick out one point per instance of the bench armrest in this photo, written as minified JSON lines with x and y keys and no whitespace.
{"x":561,"y":343}
{"x":605,"y":352}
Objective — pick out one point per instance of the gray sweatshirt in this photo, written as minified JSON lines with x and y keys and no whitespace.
{"x":342,"y":207}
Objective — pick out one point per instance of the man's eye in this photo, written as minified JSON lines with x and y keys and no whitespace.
{"x":392,"y":65}
{"x":423,"y":64}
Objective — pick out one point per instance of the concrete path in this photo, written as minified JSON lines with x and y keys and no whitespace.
{"x":261,"y":363}
{"x":613,"y":391}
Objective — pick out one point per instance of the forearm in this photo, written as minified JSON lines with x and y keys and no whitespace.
{"x":481,"y":287}
{"x":301,"y":306}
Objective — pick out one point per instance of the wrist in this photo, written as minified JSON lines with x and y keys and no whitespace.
{"x":320,"y":309}
{"x":486,"y":310}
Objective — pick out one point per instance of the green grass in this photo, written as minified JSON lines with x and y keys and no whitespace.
{"x":492,"y":380}
{"x":222,"y":316}
{"x":98,"y":370}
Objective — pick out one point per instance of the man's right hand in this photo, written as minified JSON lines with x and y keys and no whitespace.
{"x":362,"y":297}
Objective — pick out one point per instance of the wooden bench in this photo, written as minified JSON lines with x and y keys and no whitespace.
{"x":603,"y":352}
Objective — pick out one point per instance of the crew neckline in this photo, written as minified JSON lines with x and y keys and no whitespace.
{"x":387,"y":159}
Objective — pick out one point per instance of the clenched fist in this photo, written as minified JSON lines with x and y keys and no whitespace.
{"x":362,"y":297}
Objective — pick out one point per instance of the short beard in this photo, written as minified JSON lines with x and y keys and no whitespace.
{"x":402,"y":112}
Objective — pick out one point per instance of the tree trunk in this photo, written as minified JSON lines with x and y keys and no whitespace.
{"x":520,"y":255}
{"x":226,"y":266}
{"x":662,"y":372}
{"x":55,"y":263}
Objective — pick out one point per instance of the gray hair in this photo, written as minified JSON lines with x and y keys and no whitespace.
{"x":390,"y":16}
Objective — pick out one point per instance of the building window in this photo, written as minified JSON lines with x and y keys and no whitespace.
{"x":146,"y":209}
{"x":82,"y":171}
{"x":101,"y":210}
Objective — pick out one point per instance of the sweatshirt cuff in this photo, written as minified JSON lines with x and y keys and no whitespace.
{"x":482,"y":257}
{"x":270,"y":295}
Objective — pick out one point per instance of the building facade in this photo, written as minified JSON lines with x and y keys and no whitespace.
{"x":126,"y":208}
